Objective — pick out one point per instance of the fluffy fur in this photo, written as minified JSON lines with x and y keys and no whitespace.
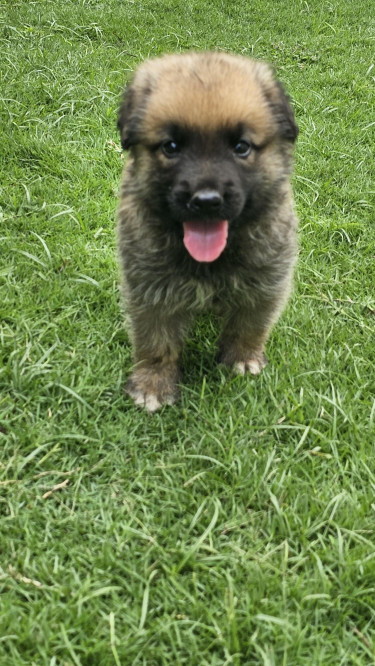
{"x":210,"y":137}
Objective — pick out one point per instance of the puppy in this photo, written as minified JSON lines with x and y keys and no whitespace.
{"x":206,"y":219}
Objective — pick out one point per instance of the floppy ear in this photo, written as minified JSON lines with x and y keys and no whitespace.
{"x":284,"y":114}
{"x":133,"y":107}
{"x":278,"y":101}
{"x":125,"y":119}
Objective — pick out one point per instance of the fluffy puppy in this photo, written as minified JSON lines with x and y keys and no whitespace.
{"x":206,"y":219}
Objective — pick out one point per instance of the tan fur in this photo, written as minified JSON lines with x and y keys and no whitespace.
{"x":164,"y":288}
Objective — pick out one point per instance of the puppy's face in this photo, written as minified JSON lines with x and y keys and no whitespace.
{"x":210,"y":135}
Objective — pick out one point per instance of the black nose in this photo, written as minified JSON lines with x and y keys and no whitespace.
{"x":205,"y":201}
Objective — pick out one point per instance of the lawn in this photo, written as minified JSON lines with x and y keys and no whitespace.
{"x":238,"y":526}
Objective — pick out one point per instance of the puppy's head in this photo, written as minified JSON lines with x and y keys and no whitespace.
{"x":211,"y":138}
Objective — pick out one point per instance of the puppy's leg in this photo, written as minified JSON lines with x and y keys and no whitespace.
{"x":157,"y":340}
{"x":244,"y":336}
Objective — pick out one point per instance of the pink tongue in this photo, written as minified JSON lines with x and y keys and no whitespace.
{"x":205,"y":241}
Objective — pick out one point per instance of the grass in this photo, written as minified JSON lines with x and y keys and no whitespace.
{"x":236,"y":527}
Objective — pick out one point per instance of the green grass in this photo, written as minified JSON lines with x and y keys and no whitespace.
{"x":236,"y":527}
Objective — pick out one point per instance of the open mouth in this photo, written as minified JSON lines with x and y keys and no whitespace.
{"x":205,"y":240}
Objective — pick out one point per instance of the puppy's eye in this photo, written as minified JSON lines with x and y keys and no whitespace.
{"x":242,"y":149}
{"x":170,"y":148}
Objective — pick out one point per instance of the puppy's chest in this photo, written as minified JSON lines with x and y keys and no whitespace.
{"x":197,"y":294}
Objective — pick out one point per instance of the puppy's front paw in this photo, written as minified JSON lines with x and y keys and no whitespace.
{"x":253,"y":365}
{"x":153,"y":387}
{"x":246,"y":361}
{"x":147,"y":400}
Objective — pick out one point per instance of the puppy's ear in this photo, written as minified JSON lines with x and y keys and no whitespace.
{"x":125,"y":119}
{"x":284,"y":114}
{"x":133,"y":106}
{"x":278,"y":101}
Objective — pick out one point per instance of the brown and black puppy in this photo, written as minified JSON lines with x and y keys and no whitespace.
{"x":206,"y":217}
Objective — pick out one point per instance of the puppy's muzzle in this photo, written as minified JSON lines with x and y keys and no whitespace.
{"x":206,"y":202}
